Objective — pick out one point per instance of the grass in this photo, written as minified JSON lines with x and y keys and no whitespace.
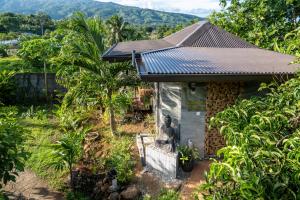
{"x":14,"y":63}
{"x":43,"y":133}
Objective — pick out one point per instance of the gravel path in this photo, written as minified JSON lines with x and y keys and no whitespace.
{"x":30,"y":187}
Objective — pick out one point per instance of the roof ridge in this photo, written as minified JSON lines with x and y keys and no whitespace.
{"x":159,"y":50}
{"x":201,"y":24}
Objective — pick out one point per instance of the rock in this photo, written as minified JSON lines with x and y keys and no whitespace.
{"x":104,"y":188}
{"x":176,"y":185}
{"x":106,"y":180}
{"x":114,"y":196}
{"x":114,"y":186}
{"x":131,"y":193}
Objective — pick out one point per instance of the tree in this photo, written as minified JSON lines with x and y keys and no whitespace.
{"x":38,"y":52}
{"x":3,"y":52}
{"x":117,"y":29}
{"x":67,"y":151}
{"x":261,"y":160}
{"x":85,"y":50}
{"x":12,"y":153}
{"x":259,"y":22}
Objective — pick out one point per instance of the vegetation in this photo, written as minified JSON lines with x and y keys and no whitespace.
{"x":81,"y":56}
{"x":67,"y":151}
{"x":12,"y":151}
{"x":263,"y":23}
{"x":7,"y":86}
{"x":12,"y":24}
{"x":120,"y":158}
{"x":94,"y":8}
{"x":261,"y":160}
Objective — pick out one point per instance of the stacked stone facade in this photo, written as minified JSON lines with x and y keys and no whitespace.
{"x":219,"y":96}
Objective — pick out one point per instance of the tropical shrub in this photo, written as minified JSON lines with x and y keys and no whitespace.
{"x":3,"y":52}
{"x":12,"y":153}
{"x":7,"y":86}
{"x":67,"y":151}
{"x":121,"y":160}
{"x":262,"y":157}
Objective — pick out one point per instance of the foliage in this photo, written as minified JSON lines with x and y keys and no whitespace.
{"x":186,"y":153}
{"x":3,"y":52}
{"x":44,"y":132}
{"x":38,"y":51}
{"x":120,"y":158}
{"x":168,"y":195}
{"x":36,"y":24}
{"x":12,"y":152}
{"x":261,"y":160}
{"x":94,"y":8}
{"x":75,"y":196}
{"x":67,"y":151}
{"x":12,"y":63}
{"x":262,"y":23}
{"x":80,"y":56}
{"x":7,"y":86}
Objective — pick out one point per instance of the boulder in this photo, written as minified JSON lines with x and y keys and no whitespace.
{"x":114,"y":196}
{"x":131,"y":193}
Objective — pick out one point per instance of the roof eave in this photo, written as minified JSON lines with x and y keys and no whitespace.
{"x":213,"y":77}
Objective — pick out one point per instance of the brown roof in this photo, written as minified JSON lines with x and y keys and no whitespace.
{"x":203,"y":64}
{"x":201,"y":34}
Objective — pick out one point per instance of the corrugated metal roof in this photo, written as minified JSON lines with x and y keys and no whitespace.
{"x":126,"y":48}
{"x":182,"y":35}
{"x":201,"y":34}
{"x":197,"y":60}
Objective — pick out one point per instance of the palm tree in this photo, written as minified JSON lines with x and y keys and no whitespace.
{"x":117,"y":29}
{"x":86,"y":52}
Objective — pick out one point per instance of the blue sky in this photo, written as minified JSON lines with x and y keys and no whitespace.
{"x":200,"y":8}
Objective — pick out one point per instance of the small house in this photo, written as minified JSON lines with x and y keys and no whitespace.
{"x":198,"y":72}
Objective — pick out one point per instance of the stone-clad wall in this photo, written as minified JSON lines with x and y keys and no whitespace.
{"x":219,"y":96}
{"x":31,"y":87}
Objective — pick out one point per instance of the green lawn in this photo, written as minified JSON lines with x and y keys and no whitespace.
{"x":44,"y":131}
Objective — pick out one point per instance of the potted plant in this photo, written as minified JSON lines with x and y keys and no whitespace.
{"x":187,"y":157}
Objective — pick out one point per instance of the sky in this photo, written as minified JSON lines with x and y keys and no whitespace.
{"x":201,"y":8}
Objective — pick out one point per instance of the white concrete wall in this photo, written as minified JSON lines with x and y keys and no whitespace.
{"x":174,"y":100}
{"x":169,"y":103}
{"x":192,"y":124}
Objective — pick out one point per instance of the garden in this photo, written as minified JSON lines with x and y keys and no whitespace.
{"x":81,"y":140}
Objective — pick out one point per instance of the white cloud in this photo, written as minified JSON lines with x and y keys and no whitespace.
{"x":196,"y":7}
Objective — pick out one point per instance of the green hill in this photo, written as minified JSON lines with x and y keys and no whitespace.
{"x":59,"y":9}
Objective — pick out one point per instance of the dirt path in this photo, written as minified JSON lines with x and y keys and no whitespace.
{"x":30,"y":187}
{"x":196,"y":178}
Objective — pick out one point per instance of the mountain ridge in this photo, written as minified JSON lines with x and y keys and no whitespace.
{"x":59,"y":9}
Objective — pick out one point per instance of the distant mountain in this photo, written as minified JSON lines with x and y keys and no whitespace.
{"x":59,"y":9}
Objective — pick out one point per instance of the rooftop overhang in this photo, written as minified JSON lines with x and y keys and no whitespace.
{"x":214,"y":77}
{"x":215,"y":64}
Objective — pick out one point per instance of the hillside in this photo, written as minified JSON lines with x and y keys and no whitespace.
{"x":59,"y":9}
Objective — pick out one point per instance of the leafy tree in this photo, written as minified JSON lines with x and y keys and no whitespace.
{"x":117,"y":29}
{"x":3,"y":52}
{"x":7,"y":86}
{"x":84,"y":53}
{"x":67,"y":151}
{"x":12,"y":153}
{"x":39,"y":52}
{"x":259,"y":22}
{"x":261,"y":160}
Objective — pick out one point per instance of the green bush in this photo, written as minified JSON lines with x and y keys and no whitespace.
{"x":168,"y":195}
{"x":7,"y":86}
{"x":120,"y":158}
{"x":262,"y":157}
{"x":3,"y":52}
{"x":12,"y":153}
